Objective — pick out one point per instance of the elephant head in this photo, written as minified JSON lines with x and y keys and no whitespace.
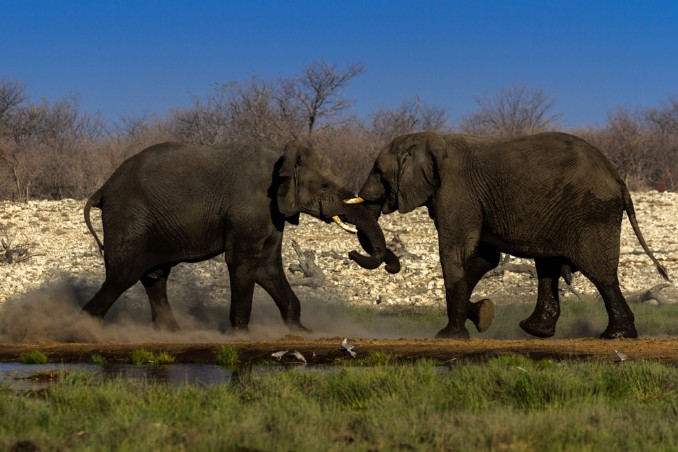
{"x":404,"y":176}
{"x":310,"y":183}
{"x":405,"y":173}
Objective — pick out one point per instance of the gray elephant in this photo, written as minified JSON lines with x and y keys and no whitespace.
{"x":551,"y":197}
{"x":175,"y":203}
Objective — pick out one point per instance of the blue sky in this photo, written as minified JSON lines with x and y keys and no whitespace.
{"x":138,"y":56}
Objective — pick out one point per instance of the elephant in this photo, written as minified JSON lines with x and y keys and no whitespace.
{"x":551,"y":197}
{"x":175,"y":202}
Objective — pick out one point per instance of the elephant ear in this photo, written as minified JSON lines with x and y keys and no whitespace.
{"x":419,"y":162}
{"x":288,"y":203}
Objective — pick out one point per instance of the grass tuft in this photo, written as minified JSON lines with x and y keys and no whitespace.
{"x":227,"y":356}
{"x":35,"y":357}
{"x":98,"y":359}
{"x":141,"y":356}
{"x":164,"y":358}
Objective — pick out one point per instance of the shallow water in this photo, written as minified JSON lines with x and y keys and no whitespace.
{"x":32,"y":377}
{"x":25,"y":377}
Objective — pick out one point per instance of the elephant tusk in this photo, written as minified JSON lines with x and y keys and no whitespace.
{"x":343,"y":225}
{"x":356,"y":200}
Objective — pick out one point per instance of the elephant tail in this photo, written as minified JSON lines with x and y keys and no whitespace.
{"x":628,"y":207}
{"x":93,"y":201}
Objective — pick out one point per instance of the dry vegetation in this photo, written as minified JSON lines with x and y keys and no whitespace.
{"x":54,"y":151}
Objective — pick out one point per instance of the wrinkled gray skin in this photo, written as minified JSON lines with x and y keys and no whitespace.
{"x":551,"y":197}
{"x":175,"y":203}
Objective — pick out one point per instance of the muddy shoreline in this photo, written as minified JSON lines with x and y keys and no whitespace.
{"x":328,"y":350}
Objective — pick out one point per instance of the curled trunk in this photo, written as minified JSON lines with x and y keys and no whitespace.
{"x":372,"y":240}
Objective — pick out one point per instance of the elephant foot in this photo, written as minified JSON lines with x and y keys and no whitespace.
{"x":85,"y":313}
{"x":238,"y":330}
{"x":169,"y":325}
{"x":93,"y":311}
{"x":481,"y":314}
{"x":453,"y":333}
{"x":538,"y":327}
{"x":620,"y":332}
{"x":297,"y":327}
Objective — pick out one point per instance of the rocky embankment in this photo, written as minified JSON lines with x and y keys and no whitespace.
{"x":57,"y":247}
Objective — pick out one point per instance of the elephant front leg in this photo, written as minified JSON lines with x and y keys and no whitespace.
{"x":542,"y":322}
{"x":457,"y":299}
{"x":482,"y":312}
{"x":271,"y":277}
{"x":242,"y":275}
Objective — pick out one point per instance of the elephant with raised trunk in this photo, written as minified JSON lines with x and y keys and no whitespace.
{"x":175,"y":203}
{"x":551,"y":197}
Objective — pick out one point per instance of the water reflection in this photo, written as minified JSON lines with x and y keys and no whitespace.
{"x":25,"y":377}
{"x":172,"y":374}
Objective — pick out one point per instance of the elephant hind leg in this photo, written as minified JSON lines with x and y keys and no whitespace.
{"x":542,"y":322}
{"x":155,"y":284}
{"x":109,"y":292}
{"x":621,"y":323}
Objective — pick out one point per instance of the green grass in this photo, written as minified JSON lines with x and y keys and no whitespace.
{"x":164,"y":358}
{"x":586,"y":318}
{"x":35,"y":357}
{"x":98,"y":359}
{"x":508,"y":402}
{"x":142,"y":356}
{"x":372,"y":359}
{"x":227,"y":357}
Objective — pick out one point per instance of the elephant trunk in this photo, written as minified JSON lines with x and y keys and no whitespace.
{"x":372,"y":241}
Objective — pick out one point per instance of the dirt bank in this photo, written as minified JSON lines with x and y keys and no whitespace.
{"x":328,"y":350}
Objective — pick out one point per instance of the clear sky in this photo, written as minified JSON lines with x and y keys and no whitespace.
{"x":142,"y":56}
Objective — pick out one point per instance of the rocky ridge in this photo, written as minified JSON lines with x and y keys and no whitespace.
{"x":60,"y":247}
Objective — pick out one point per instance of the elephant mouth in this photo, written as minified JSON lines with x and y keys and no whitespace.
{"x":337,"y":219}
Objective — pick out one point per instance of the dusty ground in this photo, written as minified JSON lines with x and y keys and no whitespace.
{"x":65,"y":269}
{"x":327,"y":350}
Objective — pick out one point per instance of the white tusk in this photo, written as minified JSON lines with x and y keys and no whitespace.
{"x":356,"y":200}
{"x":343,"y":225}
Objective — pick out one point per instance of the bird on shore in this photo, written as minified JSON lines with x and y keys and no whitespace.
{"x":622,"y":356}
{"x":279,"y":355}
{"x":345,"y":345}
{"x":348,"y":348}
{"x":299,"y":356}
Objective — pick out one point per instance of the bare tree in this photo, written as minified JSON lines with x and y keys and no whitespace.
{"x":626,"y":144}
{"x":411,"y":116}
{"x":512,"y":112}
{"x":204,"y":122}
{"x":132,"y":126}
{"x":664,"y":119}
{"x":12,"y":94}
{"x":264,"y":112}
{"x":318,"y":91}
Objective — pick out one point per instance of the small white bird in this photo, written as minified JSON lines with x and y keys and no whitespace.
{"x":299,"y":356}
{"x":279,"y":355}
{"x":346,"y":346}
{"x":622,"y":356}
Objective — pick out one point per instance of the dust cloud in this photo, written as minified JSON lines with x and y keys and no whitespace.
{"x":53,"y":314}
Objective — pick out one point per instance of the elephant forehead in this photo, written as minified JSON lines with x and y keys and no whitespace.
{"x":386,"y":160}
{"x":321,"y":167}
